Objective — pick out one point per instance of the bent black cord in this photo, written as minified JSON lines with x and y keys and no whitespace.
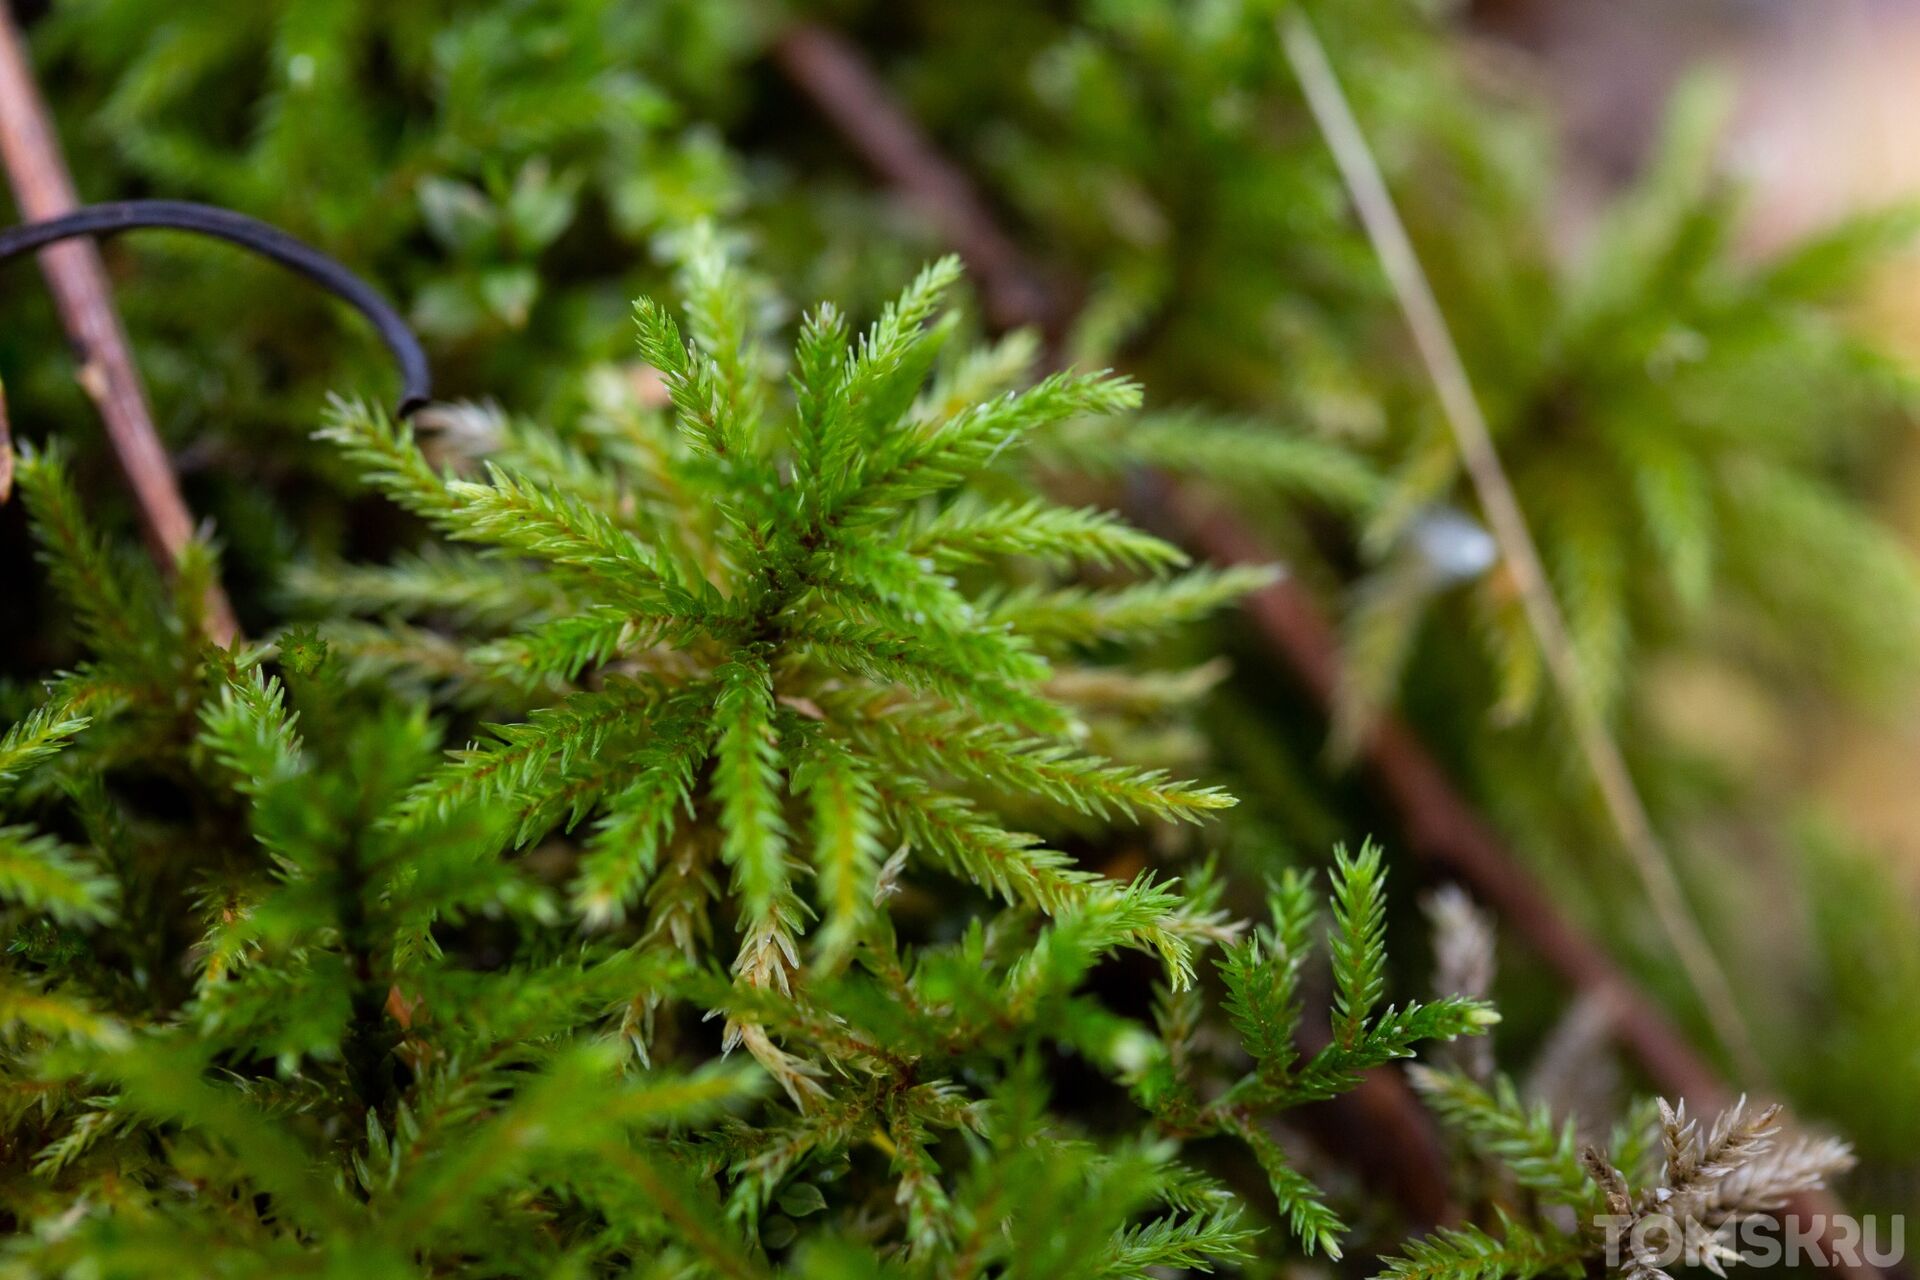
{"x":249,"y":233}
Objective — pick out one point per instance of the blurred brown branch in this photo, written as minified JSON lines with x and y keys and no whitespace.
{"x":78,"y":281}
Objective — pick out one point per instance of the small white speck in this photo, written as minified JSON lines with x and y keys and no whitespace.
{"x":1453,"y":544}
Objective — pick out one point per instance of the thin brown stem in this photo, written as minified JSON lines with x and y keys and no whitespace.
{"x":30,"y":151}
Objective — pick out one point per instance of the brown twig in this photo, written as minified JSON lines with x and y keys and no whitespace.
{"x":1442,"y":828}
{"x":78,"y":281}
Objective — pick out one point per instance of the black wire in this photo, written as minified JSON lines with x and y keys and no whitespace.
{"x":249,"y":233}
